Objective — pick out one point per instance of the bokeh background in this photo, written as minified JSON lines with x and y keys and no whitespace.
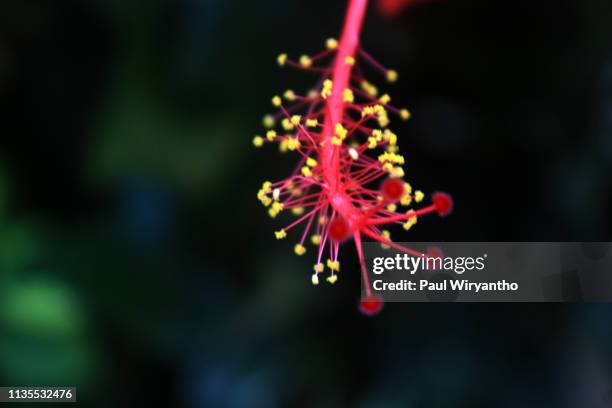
{"x":136,"y":263}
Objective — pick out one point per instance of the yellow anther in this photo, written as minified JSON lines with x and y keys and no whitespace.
{"x":306,"y":171}
{"x":282,"y":146}
{"x":299,"y":249}
{"x":348,"y":96}
{"x":318,"y":268}
{"x":407,"y":188}
{"x":276,"y":101}
{"x":322,"y":220}
{"x":332,"y":279}
{"x":281,"y":59}
{"x":310,"y":162}
{"x":289,"y":95}
{"x":265,"y":200}
{"x":412,"y":220}
{"x":377,"y":133}
{"x":315,"y":279}
{"x":385,"y":99}
{"x":391,"y":158}
{"x":349,"y":60}
{"x":418,"y":196}
{"x":315,"y":240}
{"x":397,"y":172}
{"x":379,"y":111}
{"x":280,"y":234}
{"x":266,"y":186}
{"x":275,"y":209}
{"x":368,"y":88}
{"x":286,"y":124}
{"x":406,"y":200}
{"x":392,"y":207}
{"x":341,"y":131}
{"x":295,"y":119}
{"x":333,"y":265}
{"x":331,"y":44}
{"x":391,"y":75}
{"x":312,"y":123}
{"x":271,"y":135}
{"x":387,"y":235}
{"x":407,"y":225}
{"x":405,"y":114}
{"x":305,"y":61}
{"x":293,"y":143}
{"x":367,"y":111}
{"x":412,"y":216}
{"x":392,"y":148}
{"x":372,"y":143}
{"x":268,"y":121}
{"x":383,"y":119}
{"x":326,"y":91}
{"x":390,"y":137}
{"x":336,"y":141}
{"x":297,"y":210}
{"x":353,"y":153}
{"x":258,"y":141}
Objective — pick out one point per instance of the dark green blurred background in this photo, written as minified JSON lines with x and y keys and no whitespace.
{"x":137,"y":264}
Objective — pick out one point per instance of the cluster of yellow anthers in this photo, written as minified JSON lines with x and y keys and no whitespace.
{"x":305,"y":133}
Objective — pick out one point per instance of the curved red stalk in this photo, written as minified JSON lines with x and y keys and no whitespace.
{"x":349,"y":41}
{"x":342,"y":204}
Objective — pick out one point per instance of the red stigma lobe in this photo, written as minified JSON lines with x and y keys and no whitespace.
{"x":371,"y":305}
{"x":443,"y":202}
{"x":393,"y":8}
{"x":392,"y":189}
{"x":338,"y":229}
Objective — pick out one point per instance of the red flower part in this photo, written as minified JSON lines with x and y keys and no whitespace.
{"x":392,"y":189}
{"x":435,"y":252}
{"x":371,"y":305}
{"x":339,"y":131}
{"x":443,"y":202}
{"x":393,"y":8}
{"x":338,"y":229}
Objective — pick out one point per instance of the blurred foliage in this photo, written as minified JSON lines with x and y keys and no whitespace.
{"x":43,"y":336}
